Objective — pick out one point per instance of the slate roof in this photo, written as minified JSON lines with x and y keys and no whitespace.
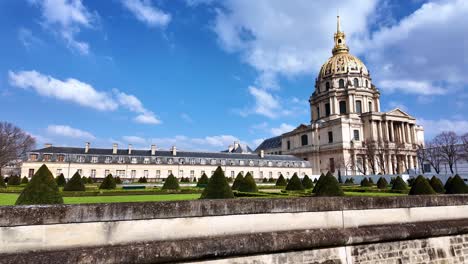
{"x":270,"y":143}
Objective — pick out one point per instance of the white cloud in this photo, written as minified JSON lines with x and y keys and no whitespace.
{"x":134,"y":139}
{"x":283,"y":128}
{"x":71,"y":90}
{"x":66,"y":18}
{"x":434,"y":127}
{"x":411,"y":87}
{"x":134,"y":104}
{"x":147,"y":118}
{"x":147,"y":13}
{"x":67,"y":131}
{"x":28,"y":39}
{"x":265,"y":103}
{"x":395,"y":104}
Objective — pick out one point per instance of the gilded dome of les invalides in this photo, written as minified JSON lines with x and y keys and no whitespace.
{"x":342,"y":62}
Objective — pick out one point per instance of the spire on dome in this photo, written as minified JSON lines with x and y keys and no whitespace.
{"x":338,"y":26}
{"x":340,"y":39}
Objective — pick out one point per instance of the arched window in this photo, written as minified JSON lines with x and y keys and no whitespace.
{"x":367,"y":83}
{"x":356,"y":82}
{"x":327,"y":86}
{"x":358,"y":107}
{"x":341,"y":83}
{"x":342,"y":107}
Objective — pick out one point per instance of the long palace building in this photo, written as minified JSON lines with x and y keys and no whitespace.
{"x":156,"y":164}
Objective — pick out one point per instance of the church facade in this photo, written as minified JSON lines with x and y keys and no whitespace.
{"x":348,"y":133}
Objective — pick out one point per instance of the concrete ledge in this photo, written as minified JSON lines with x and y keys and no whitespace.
{"x":241,"y":245}
{"x":62,"y":214}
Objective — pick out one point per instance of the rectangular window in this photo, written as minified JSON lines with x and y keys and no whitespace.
{"x":327,"y":109}
{"x":358,"y":107}
{"x":232,"y":174}
{"x":270,"y":174}
{"x":60,"y":158}
{"x":133,"y":173}
{"x":33,"y":157}
{"x":59,"y":171}
{"x":192,"y":173}
{"x":94,"y":159}
{"x":93,"y":173}
{"x":106,"y":172}
{"x":181,"y":173}
{"x":289,"y":144}
{"x":46,"y":157}
{"x":287,"y":173}
{"x":252,"y":173}
{"x":279,"y":174}
{"x":31,"y":173}
{"x":330,"y":137}
{"x":318,"y":112}
{"x":261,"y":174}
{"x":158,"y":174}
{"x":427,"y":168}
{"x":121,"y":173}
{"x":169,"y":172}
{"x":145,"y":173}
{"x":304,"y":140}
{"x":202,"y":172}
{"x":342,"y":107}
{"x":80,"y":171}
{"x":212,"y":172}
{"x":356,"y":135}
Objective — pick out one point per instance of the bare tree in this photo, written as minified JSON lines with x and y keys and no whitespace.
{"x":404,"y":151}
{"x":433,"y":156}
{"x":421,"y":154}
{"x":447,"y":144}
{"x":464,"y":141}
{"x":14,"y":143}
{"x":370,"y":151}
{"x":380,"y":152}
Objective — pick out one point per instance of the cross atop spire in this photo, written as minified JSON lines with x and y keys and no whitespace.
{"x":338,"y":26}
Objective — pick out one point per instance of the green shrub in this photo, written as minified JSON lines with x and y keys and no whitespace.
{"x":218,"y":187}
{"x":437,"y":185}
{"x":90,"y":180}
{"x":248,"y":184}
{"x":171,"y":183}
{"x":448,"y":182}
{"x":365,"y":183}
{"x":203,"y":181}
{"x":24,"y":180}
{"x":399,"y":184}
{"x":421,"y":186}
{"x":264,"y":180}
{"x":456,"y":186}
{"x":142,"y":180}
{"x":318,"y":183}
{"x":307,"y":182}
{"x":329,"y":186}
{"x":349,"y":181}
{"x":108,"y":183}
{"x":194,"y":179}
{"x":340,"y":180}
{"x":411,"y":181}
{"x":295,"y":184}
{"x":42,"y":189}
{"x":2,"y":182}
{"x":75,"y":184}
{"x":230,"y":180}
{"x":371,"y":181}
{"x":61,"y":180}
{"x":281,"y":181}
{"x":271,"y":180}
{"x":315,"y":180}
{"x":84,"y":180}
{"x":382,"y":183}
{"x":237,"y":182}
{"x":14,"y":180}
{"x":118,"y":180}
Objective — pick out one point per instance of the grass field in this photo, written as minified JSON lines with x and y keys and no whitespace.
{"x":10,"y":199}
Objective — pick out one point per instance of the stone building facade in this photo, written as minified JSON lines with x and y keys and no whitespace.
{"x":348,"y":131}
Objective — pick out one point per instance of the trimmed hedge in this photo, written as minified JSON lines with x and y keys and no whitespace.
{"x":456,"y":186}
{"x":421,"y":186}
{"x":118,"y":180}
{"x":366,"y":183}
{"x":248,"y":184}
{"x":218,"y":187}
{"x":108,"y":183}
{"x":14,"y":180}
{"x":329,"y":186}
{"x":42,"y":189}
{"x":237,"y":182}
{"x":203,"y":181}
{"x":171,"y":183}
{"x":307,"y":182}
{"x":281,"y":181}
{"x":382,"y":183}
{"x":349,"y":181}
{"x":295,"y":184}
{"x":271,"y":180}
{"x":447,"y":183}
{"x":61,"y":180}
{"x":399,"y":184}
{"x":2,"y":182}
{"x":75,"y":184}
{"x":437,"y":185}
{"x":264,"y":180}
{"x":142,"y":180}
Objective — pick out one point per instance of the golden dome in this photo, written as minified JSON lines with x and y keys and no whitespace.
{"x":342,"y":62}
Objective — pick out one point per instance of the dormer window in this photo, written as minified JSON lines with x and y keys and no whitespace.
{"x":192,"y":161}
{"x":121,"y":159}
{"x":170,"y":161}
{"x":202,"y":161}
{"x":33,"y":157}
{"x":251,"y":163}
{"x":134,"y":161}
{"x":108,"y":159}
{"x":181,"y":161}
{"x":46,"y":157}
{"x":146,"y":161}
{"x":61,"y":158}
{"x":158,"y":161}
{"x":94,"y":159}
{"x":213,"y":162}
{"x":223,"y":162}
{"x":81,"y":159}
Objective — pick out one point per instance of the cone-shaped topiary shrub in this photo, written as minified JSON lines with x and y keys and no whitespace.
{"x":61,"y":180}
{"x":42,"y":189}
{"x":382,"y":183}
{"x":142,"y":180}
{"x":271,"y":180}
{"x":264,"y":180}
{"x":437,"y":185}
{"x":75,"y":184}
{"x":281,"y":181}
{"x":171,"y":183}
{"x":411,"y":181}
{"x":14,"y":180}
{"x":365,"y":183}
{"x":456,"y":186}
{"x":248,"y":184}
{"x":2,"y":182}
{"x":399,"y":184}
{"x":230,"y":180}
{"x":329,"y":186}
{"x":108,"y":183}
{"x":84,"y":179}
{"x":318,"y":182}
{"x":203,"y":181}
{"x":118,"y":180}
{"x":218,"y":187}
{"x":90,"y":180}
{"x":447,"y":183}
{"x":295,"y":184}
{"x":237,"y":182}
{"x":307,"y":182}
{"x":421,"y":186}
{"x":371,"y":181}
{"x":340,"y":180}
{"x":24,"y":180}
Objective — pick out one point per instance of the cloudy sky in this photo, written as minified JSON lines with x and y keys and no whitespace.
{"x":200,"y":74}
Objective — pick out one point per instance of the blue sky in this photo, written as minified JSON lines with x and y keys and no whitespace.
{"x":200,"y":74}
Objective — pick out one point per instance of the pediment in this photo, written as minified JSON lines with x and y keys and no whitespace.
{"x":398,"y":112}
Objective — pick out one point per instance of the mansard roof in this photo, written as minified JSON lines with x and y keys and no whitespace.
{"x":269,"y":143}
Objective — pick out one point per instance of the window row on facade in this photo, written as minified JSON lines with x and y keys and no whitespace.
{"x":342,"y":84}
{"x":343,"y":108}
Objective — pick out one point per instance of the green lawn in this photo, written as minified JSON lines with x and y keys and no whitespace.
{"x":10,"y":199}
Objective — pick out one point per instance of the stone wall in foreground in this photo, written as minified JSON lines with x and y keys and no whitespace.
{"x":413,"y":229}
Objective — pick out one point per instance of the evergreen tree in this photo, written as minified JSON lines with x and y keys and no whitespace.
{"x":371,"y":182}
{"x":307,"y":182}
{"x":171,"y":183}
{"x":14,"y":180}
{"x":447,"y":183}
{"x":75,"y":184}
{"x":2,"y":182}
{"x":218,"y":187}
{"x":142,"y":180}
{"x":271,"y":180}
{"x":456,"y":186}
{"x":84,"y":180}
{"x":365,"y":183}
{"x":421,"y":186}
{"x":318,"y":182}
{"x":281,"y":181}
{"x":118,"y":180}
{"x":108,"y":183}
{"x":24,"y":180}
{"x":340,"y":180}
{"x":203,"y":181}
{"x":90,"y":180}
{"x":295,"y":184}
{"x":264,"y":180}
{"x":328,"y":186}
{"x":437,"y":185}
{"x":399,"y":184}
{"x":61,"y":180}
{"x":230,"y":180}
{"x":382,"y":183}
{"x":237,"y":182}
{"x":42,"y":189}
{"x":248,"y":184}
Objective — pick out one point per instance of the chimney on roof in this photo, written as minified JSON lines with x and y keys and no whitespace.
{"x":130,"y":147}
{"x":114,"y":148}
{"x":236,"y":145}
{"x":153,"y":150}
{"x":47,"y":145}
{"x":231,"y":147}
{"x":86,"y":149}
{"x":262,"y":153}
{"x":174,"y":151}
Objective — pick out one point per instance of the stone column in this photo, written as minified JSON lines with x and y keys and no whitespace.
{"x":410,"y":162}
{"x":336,"y":109}
{"x":379,"y":128}
{"x":390,"y":131}
{"x":371,"y":129}
{"x":389,"y":164}
{"x":386,"y":131}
